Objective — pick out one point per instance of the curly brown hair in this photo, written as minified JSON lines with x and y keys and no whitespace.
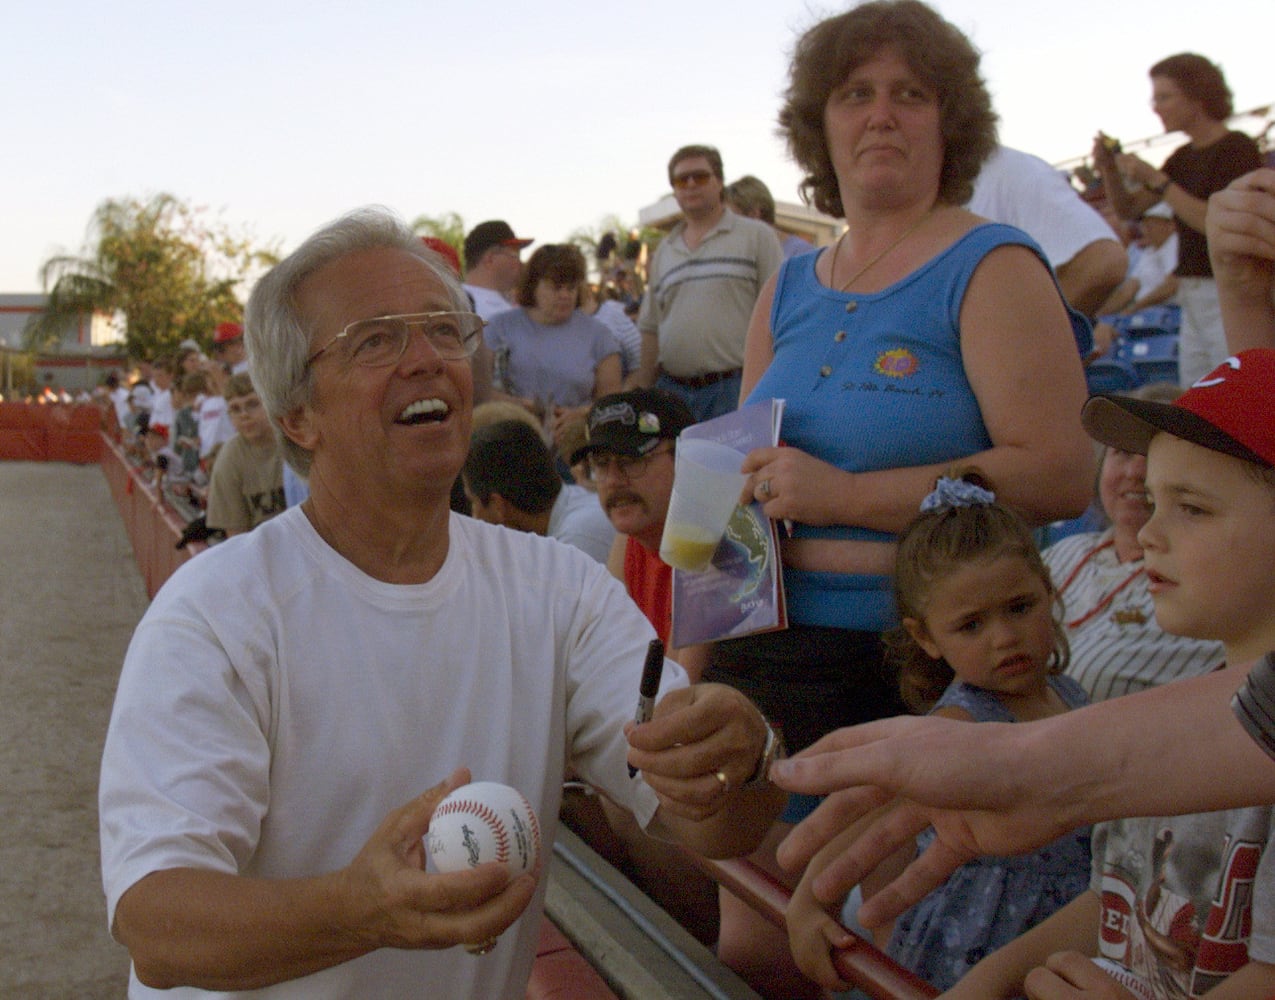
{"x":934,"y":49}
{"x":1201,"y":80}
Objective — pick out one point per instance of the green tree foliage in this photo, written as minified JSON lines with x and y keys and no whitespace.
{"x":169,"y":271}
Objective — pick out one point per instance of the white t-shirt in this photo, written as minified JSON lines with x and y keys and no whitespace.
{"x":162,"y":409}
{"x":1022,"y":190}
{"x":578,"y":519}
{"x":214,"y":424}
{"x":611,"y":314}
{"x":119,"y":399}
{"x":276,"y":704}
{"x":1155,"y":264}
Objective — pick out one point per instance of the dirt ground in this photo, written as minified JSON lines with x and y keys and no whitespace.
{"x":70,"y":595}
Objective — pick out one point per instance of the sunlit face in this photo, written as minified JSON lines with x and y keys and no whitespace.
{"x":991,"y":620}
{"x":401,"y":429}
{"x":1175,"y":109}
{"x":696,"y":188}
{"x":638,"y":506}
{"x":249,"y":418}
{"x":1122,"y":488}
{"x":554,"y":302}
{"x":883,"y":132}
{"x":1209,"y":546}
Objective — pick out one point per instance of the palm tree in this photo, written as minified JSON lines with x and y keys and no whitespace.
{"x":157,"y":264}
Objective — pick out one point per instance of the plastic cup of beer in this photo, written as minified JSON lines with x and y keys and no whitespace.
{"x":706,"y":487}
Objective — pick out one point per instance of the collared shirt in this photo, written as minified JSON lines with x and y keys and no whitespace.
{"x":699,"y":302}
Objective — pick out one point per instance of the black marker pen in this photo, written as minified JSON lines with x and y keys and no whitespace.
{"x":649,"y":686}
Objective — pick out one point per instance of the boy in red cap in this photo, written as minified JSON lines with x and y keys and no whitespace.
{"x":228,"y":347}
{"x":1187,"y":904}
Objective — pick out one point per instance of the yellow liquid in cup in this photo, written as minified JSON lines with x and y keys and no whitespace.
{"x":687,"y":547}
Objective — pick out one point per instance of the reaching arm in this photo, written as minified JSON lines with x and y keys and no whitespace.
{"x":1154,"y":296}
{"x":1147,"y":754}
{"x":1126,"y":204}
{"x":223,"y":931}
{"x":1241,"y":235}
{"x":1003,"y":973}
{"x":814,"y":931}
{"x":1090,"y":276}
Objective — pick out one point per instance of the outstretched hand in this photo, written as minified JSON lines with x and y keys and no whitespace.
{"x":935,"y":772}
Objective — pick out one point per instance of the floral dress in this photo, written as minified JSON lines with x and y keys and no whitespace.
{"x":990,"y":901}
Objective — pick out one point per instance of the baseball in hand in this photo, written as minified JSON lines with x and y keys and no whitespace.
{"x":484,"y":821}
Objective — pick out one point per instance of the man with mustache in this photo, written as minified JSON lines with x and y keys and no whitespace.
{"x":630,"y":460}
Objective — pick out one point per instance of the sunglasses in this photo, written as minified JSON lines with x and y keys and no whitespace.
{"x":692,"y":177}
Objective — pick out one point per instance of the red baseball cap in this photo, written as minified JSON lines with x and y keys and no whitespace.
{"x":444,"y":250}
{"x":227,"y":332}
{"x":1231,"y":410}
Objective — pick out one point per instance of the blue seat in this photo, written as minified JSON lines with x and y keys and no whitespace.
{"x":1111,"y":374}
{"x":1151,"y":347}
{"x":1153,"y":321}
{"x":1153,"y":355}
{"x":1157,"y":370}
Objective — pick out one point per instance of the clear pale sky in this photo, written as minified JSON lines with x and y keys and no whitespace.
{"x":277,"y":116}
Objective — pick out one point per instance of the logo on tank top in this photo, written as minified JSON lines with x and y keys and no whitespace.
{"x":897,"y":363}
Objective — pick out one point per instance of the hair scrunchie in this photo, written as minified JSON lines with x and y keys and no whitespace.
{"x":956,"y":493}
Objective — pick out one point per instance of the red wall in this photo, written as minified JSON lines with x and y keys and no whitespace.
{"x":57,"y":433}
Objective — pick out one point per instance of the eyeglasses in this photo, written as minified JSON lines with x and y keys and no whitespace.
{"x":242,"y":407}
{"x":692,"y":177}
{"x":604,"y":466}
{"x":380,"y":341}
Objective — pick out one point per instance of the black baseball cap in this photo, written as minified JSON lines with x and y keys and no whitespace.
{"x":633,"y":423}
{"x":486,"y":235}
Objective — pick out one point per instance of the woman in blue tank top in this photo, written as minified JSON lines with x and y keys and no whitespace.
{"x":923,"y":337}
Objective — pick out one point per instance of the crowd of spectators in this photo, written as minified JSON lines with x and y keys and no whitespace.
{"x":949,"y":325}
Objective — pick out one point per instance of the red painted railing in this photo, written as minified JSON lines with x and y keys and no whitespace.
{"x":862,"y":964}
{"x":153,"y":527}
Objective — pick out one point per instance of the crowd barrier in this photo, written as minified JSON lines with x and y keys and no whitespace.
{"x":153,"y":527}
{"x":52,"y":433}
{"x":870,"y":970}
{"x":560,"y":971}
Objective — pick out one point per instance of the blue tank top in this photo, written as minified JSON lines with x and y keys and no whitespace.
{"x":873,"y":382}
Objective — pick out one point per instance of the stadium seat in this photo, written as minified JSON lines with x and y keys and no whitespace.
{"x":1111,"y":374}
{"x":1154,"y":357}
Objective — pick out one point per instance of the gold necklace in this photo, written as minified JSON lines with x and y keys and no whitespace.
{"x":836,"y":252}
